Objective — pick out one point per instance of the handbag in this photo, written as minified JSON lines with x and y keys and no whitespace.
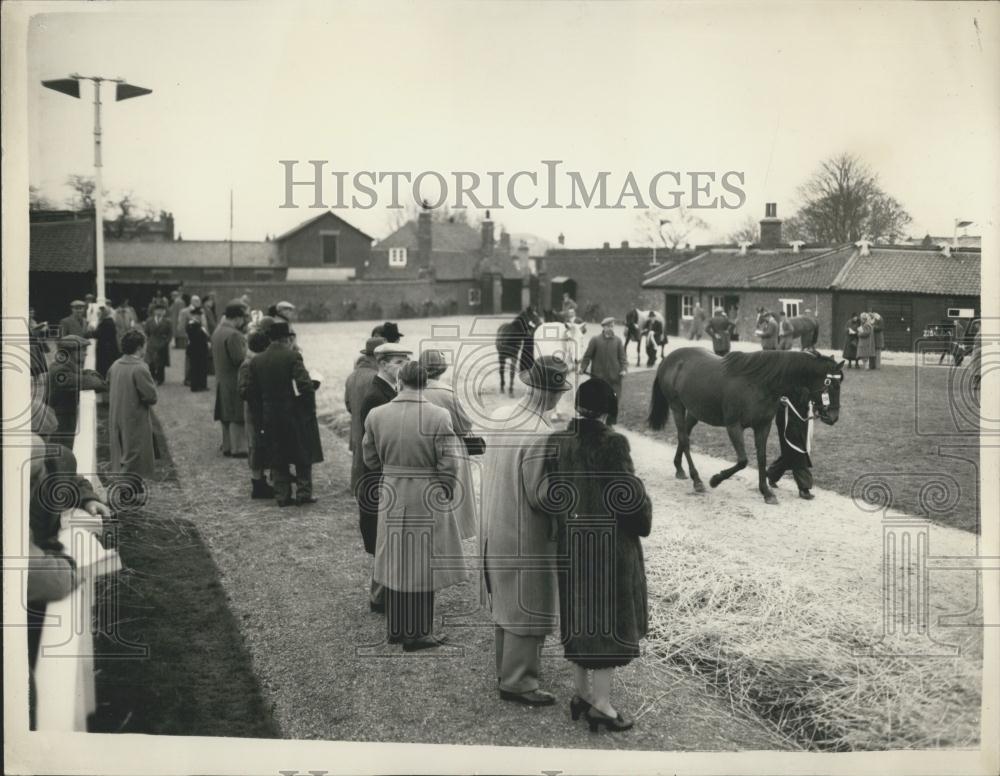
{"x":474,"y":445}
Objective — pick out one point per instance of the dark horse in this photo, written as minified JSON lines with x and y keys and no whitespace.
{"x":798,"y":327}
{"x":516,"y":343}
{"x":738,"y":391}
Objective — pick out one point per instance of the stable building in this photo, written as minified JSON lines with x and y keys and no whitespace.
{"x":61,"y":261}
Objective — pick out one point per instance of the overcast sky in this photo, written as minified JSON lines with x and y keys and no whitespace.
{"x":768,"y":90}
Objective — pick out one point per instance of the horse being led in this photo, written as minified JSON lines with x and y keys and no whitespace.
{"x":738,"y":391}
{"x":515,"y":344}
{"x":799,"y":327}
{"x":648,"y":324}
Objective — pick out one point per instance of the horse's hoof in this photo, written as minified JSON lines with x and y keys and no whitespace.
{"x":771,"y":499}
{"x":680,"y":475}
{"x":715,"y":480}
{"x":699,"y":486}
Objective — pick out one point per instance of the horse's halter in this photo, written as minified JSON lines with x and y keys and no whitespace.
{"x":824,"y":391}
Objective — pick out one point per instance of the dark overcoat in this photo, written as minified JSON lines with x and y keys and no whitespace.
{"x":66,"y":379}
{"x":768,"y":333}
{"x":851,"y":343}
{"x":158,"y":336}
{"x":365,"y":484}
{"x":603,"y":605}
{"x":289,"y":431}
{"x":229,"y":350}
{"x":107,"y":346}
{"x":720,"y":329}
{"x":793,"y":431}
{"x":358,"y":381}
{"x":197,"y":351}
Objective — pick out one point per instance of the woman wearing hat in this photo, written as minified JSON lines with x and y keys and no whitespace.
{"x":418,"y":547}
{"x":866,"y":341}
{"x":603,"y":609}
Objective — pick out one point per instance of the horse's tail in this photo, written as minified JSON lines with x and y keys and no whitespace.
{"x":659,"y":408}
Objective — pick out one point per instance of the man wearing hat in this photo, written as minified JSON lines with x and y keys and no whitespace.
{"x":159,"y":332}
{"x":389,"y":359}
{"x":228,"y":352}
{"x":721,"y":329}
{"x":358,"y":382}
{"x":518,"y":545}
{"x":389,"y":331}
{"x":605,"y":358}
{"x":76,"y":322}
{"x":282,"y":394}
{"x":67,"y":378}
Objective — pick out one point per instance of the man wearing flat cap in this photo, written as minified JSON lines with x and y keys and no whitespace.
{"x":283,"y":395}
{"x":159,"y":331}
{"x":605,"y":358}
{"x":76,"y":322}
{"x":67,"y":378}
{"x":229,"y":350}
{"x":389,"y":359}
{"x":517,"y":541}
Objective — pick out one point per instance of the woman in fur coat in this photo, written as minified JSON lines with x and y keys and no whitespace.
{"x":600,"y":510}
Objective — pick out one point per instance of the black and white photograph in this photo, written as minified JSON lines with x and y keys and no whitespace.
{"x":501,"y":387}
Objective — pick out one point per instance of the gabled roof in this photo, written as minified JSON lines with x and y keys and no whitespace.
{"x":325,"y":214}
{"x":726,"y":268}
{"x":446,"y":236}
{"x":913,"y":271}
{"x":191,"y":253}
{"x":61,"y":246}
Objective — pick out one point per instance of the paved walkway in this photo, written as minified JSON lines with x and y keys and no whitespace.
{"x":296,"y":582}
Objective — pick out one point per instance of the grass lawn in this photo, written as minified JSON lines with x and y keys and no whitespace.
{"x":895,"y":425}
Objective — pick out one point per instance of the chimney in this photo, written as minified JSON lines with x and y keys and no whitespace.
{"x":487,"y":231}
{"x":424,"y":244}
{"x":607,"y":246}
{"x":562,"y":238}
{"x":504,"y":241}
{"x":624,"y":243}
{"x":770,"y":227}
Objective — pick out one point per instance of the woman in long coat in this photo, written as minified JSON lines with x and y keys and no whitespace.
{"x":878,"y":332}
{"x":107,"y":343}
{"x":866,"y":340}
{"x":132,"y":393}
{"x":851,"y":343}
{"x":602,"y":509}
{"x":197,"y":352}
{"x":419,"y":546}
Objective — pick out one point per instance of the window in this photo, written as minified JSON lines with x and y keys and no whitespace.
{"x":687,"y":307}
{"x":475,"y":297}
{"x":329,"y":240}
{"x":790,"y":306}
{"x":718,"y":302}
{"x":397,"y":257}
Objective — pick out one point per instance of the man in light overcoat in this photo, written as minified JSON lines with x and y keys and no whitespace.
{"x":132,"y":394}
{"x":229,"y":350}
{"x":518,"y":540}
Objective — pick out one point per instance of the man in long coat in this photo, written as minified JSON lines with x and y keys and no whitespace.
{"x":697,"y":323}
{"x":358,"y":382}
{"x":67,"y":378}
{"x":720,"y":329}
{"x":277,"y":382}
{"x":390,"y":358}
{"x":518,"y":540}
{"x":130,"y":425}
{"x":159,"y":332}
{"x":229,"y":350}
{"x":173,"y":313}
{"x":605,"y":358}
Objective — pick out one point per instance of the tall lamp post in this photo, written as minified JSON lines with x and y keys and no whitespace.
{"x":123,"y":91}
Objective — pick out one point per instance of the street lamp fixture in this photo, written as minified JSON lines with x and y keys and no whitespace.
{"x":959,"y":225}
{"x":123,"y":91}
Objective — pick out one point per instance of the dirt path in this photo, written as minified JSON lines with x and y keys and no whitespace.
{"x":296,"y":582}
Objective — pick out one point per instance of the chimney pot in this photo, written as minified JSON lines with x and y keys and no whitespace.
{"x":607,"y":246}
{"x":864,"y":247}
{"x":770,"y":227}
{"x":744,"y":246}
{"x":796,"y":245}
{"x":624,"y":243}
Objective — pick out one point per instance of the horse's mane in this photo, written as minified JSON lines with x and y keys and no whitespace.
{"x":773,"y":368}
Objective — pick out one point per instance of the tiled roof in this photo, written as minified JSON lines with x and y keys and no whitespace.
{"x":726,"y":268}
{"x":815,"y":273}
{"x":915,"y":272}
{"x":62,"y":246}
{"x":328,"y":214}
{"x":445,"y":236}
{"x":191,"y":253}
{"x":450,"y":265}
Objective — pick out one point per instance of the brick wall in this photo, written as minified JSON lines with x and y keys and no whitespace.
{"x":305,"y":247}
{"x":605,"y":285}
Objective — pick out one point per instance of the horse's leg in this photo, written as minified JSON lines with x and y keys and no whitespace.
{"x":678,"y":411}
{"x":760,"y":434}
{"x":735,"y":431}
{"x":503,"y":362}
{"x":689,"y":423}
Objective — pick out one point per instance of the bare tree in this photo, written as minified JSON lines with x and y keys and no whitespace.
{"x":82,"y":187}
{"x":748,"y":231}
{"x":37,"y":200}
{"x":667,"y":228}
{"x":843,"y":202}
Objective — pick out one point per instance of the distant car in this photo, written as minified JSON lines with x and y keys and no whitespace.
{"x":939,"y":336}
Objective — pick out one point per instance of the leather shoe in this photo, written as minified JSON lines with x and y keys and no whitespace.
{"x":531,"y":698}
{"x":806,"y":495}
{"x":376,"y":608}
{"x":426,"y":642}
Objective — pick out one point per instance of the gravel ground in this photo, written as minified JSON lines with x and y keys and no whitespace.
{"x":296,"y":582}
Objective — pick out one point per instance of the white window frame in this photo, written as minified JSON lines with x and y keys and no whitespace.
{"x":397,"y":257}
{"x":786,"y":307}
{"x":475,"y":297}
{"x":687,"y":303}
{"x":718,"y":302}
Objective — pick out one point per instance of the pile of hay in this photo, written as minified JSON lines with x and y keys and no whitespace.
{"x":772,"y":642}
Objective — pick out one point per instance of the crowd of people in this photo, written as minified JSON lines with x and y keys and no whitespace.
{"x":865,"y":341}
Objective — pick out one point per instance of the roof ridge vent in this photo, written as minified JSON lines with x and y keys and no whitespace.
{"x":864,"y":247}
{"x":796,"y":245}
{"x":744,"y":246}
